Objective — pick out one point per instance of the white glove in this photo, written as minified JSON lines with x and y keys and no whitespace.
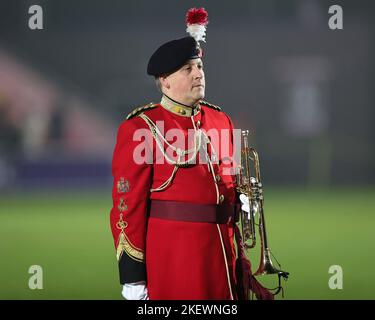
{"x":245,"y":206}
{"x":135,"y":291}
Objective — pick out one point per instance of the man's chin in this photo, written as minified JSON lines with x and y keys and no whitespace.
{"x":200,"y":95}
{"x":197,"y":96}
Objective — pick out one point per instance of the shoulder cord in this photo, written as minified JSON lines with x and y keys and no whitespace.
{"x":177,"y":164}
{"x":157,"y":135}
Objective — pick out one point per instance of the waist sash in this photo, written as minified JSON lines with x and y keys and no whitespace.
{"x":191,"y":212}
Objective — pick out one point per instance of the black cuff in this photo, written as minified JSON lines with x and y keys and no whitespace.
{"x":131,"y":270}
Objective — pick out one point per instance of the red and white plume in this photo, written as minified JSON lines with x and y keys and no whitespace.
{"x":196,"y":21}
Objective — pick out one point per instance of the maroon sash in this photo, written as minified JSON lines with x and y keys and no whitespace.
{"x":191,"y":212}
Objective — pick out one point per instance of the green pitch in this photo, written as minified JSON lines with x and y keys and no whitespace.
{"x":68,"y":235}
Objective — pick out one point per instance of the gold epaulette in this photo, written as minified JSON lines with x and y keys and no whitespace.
{"x":210,"y":105}
{"x":138,"y":110}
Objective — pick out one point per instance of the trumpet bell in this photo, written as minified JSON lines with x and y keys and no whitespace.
{"x":266,"y":266}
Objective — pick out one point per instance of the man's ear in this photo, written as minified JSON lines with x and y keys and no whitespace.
{"x":164,"y":81}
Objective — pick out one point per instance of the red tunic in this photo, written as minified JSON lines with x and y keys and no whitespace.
{"x":177,"y":259}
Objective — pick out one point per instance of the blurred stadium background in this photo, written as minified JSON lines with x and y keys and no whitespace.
{"x":305,"y":91}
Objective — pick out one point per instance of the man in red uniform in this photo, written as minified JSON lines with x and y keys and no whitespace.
{"x":173,"y":194}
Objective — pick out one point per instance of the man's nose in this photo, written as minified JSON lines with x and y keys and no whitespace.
{"x":198,"y":73}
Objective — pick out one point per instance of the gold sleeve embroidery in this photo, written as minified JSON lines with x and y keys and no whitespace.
{"x":124,"y":244}
{"x":130,"y":250}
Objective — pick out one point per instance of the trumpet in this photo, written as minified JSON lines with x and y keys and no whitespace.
{"x":250,"y":184}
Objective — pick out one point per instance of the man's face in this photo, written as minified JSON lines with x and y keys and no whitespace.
{"x":187,"y":84}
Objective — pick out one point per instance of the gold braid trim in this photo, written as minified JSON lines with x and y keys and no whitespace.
{"x":180,"y":164}
{"x":124,"y":244}
{"x":210,"y":105}
{"x":138,"y":110}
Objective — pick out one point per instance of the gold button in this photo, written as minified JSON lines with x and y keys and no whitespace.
{"x":221,"y":198}
{"x":198,"y":123}
{"x":182,"y":111}
{"x":217,"y":178}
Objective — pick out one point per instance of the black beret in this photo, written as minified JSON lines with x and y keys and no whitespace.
{"x":172,"y":55}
